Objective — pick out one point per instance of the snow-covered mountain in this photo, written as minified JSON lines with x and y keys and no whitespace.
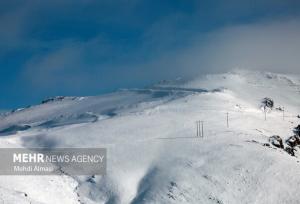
{"x":154,"y":155}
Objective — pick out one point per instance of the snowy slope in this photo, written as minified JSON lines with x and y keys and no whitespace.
{"x":153,"y":154}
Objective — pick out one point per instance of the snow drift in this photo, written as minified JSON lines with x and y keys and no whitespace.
{"x":154,"y":155}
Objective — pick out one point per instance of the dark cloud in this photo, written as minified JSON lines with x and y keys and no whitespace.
{"x":270,"y":45}
{"x":90,"y":47}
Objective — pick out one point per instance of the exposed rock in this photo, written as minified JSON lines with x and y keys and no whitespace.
{"x":276,"y":141}
{"x":280,"y":108}
{"x":297,"y":130}
{"x":290,"y":150}
{"x":14,"y":129}
{"x":293,"y":141}
{"x":57,"y":98}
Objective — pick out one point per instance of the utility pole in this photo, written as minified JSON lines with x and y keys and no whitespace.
{"x":265,"y":115}
{"x":227,"y":117}
{"x":202,"y":128}
{"x":198,"y":123}
{"x":199,"y":128}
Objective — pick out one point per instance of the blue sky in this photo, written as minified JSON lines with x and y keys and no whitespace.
{"x":66,"y":47}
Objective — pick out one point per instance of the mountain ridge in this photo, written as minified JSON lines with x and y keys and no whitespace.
{"x":154,"y":155}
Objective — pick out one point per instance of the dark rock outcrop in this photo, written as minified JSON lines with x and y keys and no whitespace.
{"x":297,"y":130}
{"x":290,"y":150}
{"x":276,"y":141}
{"x":14,"y":129}
{"x":293,"y":141}
{"x":58,"y":98}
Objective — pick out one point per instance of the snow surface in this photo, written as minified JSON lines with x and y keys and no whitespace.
{"x":154,"y":155}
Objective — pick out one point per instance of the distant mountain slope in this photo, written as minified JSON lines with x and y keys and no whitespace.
{"x":154,"y":155}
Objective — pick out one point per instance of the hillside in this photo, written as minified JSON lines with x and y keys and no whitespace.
{"x":154,"y":155}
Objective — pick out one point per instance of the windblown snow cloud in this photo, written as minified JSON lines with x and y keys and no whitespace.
{"x":265,"y":46}
{"x":95,"y":66}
